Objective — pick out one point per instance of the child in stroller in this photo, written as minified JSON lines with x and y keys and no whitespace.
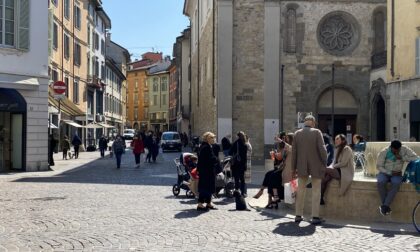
{"x":186,"y":166}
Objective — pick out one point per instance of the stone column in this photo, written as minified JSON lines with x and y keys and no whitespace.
{"x":271,"y":72}
{"x":224,"y":40}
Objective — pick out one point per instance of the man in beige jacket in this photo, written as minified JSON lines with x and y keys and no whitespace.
{"x":309,"y":159}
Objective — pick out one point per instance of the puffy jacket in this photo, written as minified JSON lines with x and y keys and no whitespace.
{"x":388,"y":166}
{"x":412,"y":173}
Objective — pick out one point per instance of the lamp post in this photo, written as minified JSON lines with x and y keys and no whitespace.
{"x":332,"y":98}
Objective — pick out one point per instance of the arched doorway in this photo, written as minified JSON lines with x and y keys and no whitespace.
{"x":380,"y":118}
{"x":345,"y":112}
{"x":12,"y":130}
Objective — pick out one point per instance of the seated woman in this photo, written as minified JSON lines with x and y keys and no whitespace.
{"x":273,"y":179}
{"x":342,"y":167}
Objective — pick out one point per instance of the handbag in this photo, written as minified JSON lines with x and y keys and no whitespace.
{"x":290,"y":190}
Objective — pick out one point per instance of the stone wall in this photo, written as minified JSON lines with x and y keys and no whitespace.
{"x":248,"y":72}
{"x":203,"y":101}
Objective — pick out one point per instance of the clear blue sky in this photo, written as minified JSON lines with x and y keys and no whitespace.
{"x":145,"y":25}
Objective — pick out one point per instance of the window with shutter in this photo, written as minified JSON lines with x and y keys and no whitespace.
{"x":55,"y":36}
{"x":67,"y":9}
{"x":76,"y":91}
{"x":418,"y":56}
{"x":66,"y":46}
{"x":23,"y":28}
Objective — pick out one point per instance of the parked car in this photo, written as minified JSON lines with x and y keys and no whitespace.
{"x":129,"y":134}
{"x":171,"y":141}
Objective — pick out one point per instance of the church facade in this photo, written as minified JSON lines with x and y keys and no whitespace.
{"x":258,"y":65}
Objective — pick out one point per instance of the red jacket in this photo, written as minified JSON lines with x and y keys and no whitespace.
{"x":138,"y":146}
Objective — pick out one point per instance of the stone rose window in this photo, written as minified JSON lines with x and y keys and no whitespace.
{"x":338,"y":33}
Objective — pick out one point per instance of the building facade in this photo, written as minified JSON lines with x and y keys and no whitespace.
{"x":257,"y":65}
{"x":158,"y":84}
{"x":138,"y":91}
{"x":23,"y":85}
{"x":116,"y":86}
{"x":173,"y":97}
{"x":182,"y":62}
{"x":402,"y":100}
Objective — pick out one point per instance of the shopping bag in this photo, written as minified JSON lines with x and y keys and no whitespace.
{"x":290,"y":190}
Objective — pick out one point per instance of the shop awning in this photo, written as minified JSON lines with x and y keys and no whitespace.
{"x":67,"y":106}
{"x":106,"y":125}
{"x":94,"y":126}
{"x":72,"y":123}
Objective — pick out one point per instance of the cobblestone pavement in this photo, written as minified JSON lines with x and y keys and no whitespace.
{"x":99,"y":208}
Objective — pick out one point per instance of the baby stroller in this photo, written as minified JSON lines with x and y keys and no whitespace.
{"x":183,"y":180}
{"x":224,"y":180}
{"x":70,"y":154}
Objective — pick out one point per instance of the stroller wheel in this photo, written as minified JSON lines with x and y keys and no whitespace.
{"x":189,"y":194}
{"x":229,"y":189}
{"x":176,"y":190}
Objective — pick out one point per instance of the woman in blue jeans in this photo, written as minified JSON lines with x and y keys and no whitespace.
{"x":118,"y":148}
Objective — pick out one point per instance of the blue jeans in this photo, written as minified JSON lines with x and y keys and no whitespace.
{"x":118,"y":157}
{"x":388,"y":196}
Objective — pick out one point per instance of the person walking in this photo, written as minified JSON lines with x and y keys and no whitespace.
{"x":309,"y":159}
{"x":148,"y":144}
{"x":103,"y":143}
{"x":248,"y":159}
{"x":53,"y":144}
{"x":138,"y":148}
{"x":205,"y":166}
{"x":65,"y":146}
{"x":342,"y":168}
{"x":238,"y":153}
{"x":76,"y":142}
{"x":118,"y":147}
{"x":155,"y":147}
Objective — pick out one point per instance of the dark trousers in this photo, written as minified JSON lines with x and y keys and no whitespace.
{"x":51,"y":157}
{"x":149,"y":155}
{"x":102,"y":150}
{"x":204,"y":197}
{"x":154,"y":155}
{"x":118,"y":157}
{"x":239,"y":177}
{"x":65,"y":153}
{"x":329,"y":175}
{"x":137,"y":158}
{"x":76,"y":151}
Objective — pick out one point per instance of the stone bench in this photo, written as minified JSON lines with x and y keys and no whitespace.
{"x":362,"y":201}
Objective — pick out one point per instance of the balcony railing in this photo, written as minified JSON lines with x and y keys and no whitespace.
{"x":378,"y":60}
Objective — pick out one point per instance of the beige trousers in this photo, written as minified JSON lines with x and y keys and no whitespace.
{"x":316,"y":195}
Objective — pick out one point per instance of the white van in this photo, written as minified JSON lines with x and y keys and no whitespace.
{"x":171,"y":141}
{"x":129,"y":134}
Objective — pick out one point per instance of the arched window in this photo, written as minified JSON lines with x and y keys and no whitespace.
{"x":291,"y":30}
{"x":379,"y":26}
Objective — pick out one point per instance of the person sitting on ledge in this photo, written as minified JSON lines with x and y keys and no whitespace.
{"x":390,"y":165}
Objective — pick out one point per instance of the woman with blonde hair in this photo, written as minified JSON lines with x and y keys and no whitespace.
{"x":207,"y":162}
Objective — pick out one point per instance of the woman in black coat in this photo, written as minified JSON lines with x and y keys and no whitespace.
{"x":239,"y":166}
{"x":206,"y":170}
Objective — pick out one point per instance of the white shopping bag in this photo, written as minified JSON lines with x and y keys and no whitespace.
{"x":290,"y":190}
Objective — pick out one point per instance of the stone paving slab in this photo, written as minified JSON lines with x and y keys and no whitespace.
{"x":95,"y":207}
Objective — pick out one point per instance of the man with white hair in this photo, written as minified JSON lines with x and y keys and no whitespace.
{"x":309,"y":159}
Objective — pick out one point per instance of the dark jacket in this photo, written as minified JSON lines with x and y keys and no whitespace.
{"x":330,"y":153}
{"x":148,"y":142}
{"x":239,"y":147}
{"x":206,"y":169}
{"x":226,"y":145}
{"x":76,"y":140}
{"x":65,"y":144}
{"x":103,"y":143}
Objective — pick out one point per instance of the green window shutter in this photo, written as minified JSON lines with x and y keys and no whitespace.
{"x":23,"y":31}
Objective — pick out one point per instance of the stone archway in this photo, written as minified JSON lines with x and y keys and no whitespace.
{"x":378,"y":110}
{"x":345,"y":111}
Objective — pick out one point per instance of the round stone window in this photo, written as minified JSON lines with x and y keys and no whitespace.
{"x":338,"y":33}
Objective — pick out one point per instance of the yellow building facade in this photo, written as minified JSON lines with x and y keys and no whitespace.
{"x":137,"y":98}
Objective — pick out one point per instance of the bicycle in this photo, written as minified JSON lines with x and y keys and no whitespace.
{"x":416,"y":217}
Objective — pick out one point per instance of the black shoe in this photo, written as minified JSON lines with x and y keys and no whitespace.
{"x":298,"y":218}
{"x":322,"y":202}
{"x":309,"y":185}
{"x":316,"y":221}
{"x":388,"y":210}
{"x":269,"y":206}
{"x":211,"y":207}
{"x":383,"y":210}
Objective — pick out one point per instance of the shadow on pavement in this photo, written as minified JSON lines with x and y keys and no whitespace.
{"x":294,"y":229}
{"x":188,"y":213}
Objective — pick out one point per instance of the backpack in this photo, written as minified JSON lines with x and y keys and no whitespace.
{"x":412,"y":173}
